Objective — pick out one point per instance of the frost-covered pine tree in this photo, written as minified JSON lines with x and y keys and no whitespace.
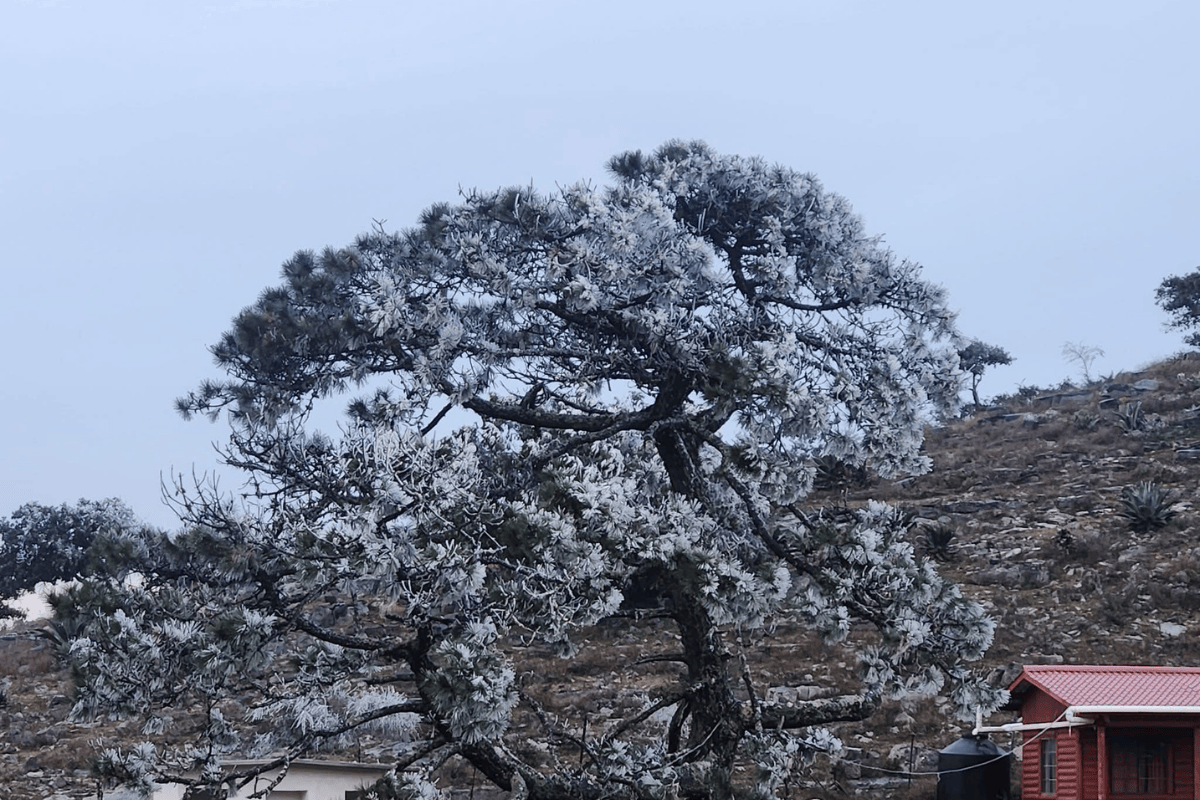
{"x":975,"y":357}
{"x":570,"y":398}
{"x":49,"y":544}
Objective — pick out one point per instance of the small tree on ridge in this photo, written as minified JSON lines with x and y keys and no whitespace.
{"x":1179,"y":296}
{"x":976,"y":357}
{"x":1083,"y":355}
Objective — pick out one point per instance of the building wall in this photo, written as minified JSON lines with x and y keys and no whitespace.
{"x":1040,"y":707}
{"x":1068,"y":763}
{"x":1182,"y":754}
{"x":1068,"y":744}
{"x":1185,"y":766}
{"x":1090,"y":766}
{"x":1182,"y":759}
{"x":304,"y":781}
{"x":1031,"y":766}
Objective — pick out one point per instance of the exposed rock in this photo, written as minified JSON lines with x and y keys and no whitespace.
{"x":1044,"y":658}
{"x":21,"y":738}
{"x":1077,"y":502}
{"x":1016,"y":576}
{"x":48,"y":736}
{"x":1005,"y":417}
{"x":913,"y":757}
{"x":1134,"y":553}
{"x":970,"y":506}
{"x":1057,"y":519}
{"x":877,"y":787}
{"x":858,"y":755}
{"x":1063,"y":398}
{"x":1004,"y":676}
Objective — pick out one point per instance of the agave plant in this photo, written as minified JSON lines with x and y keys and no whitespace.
{"x":833,"y":473}
{"x":1146,"y":506}
{"x":1131,"y":418}
{"x":939,"y":542}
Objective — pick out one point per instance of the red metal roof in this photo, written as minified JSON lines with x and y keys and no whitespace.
{"x":1114,"y":686}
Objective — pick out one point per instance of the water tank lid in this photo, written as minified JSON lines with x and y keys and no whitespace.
{"x":970,"y":745}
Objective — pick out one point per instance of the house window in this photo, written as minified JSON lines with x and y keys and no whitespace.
{"x":1049,"y":764}
{"x":1140,"y":765}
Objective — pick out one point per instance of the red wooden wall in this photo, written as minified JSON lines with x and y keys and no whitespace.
{"x":1068,"y":764}
{"x":1078,"y":764}
{"x":1040,"y":707}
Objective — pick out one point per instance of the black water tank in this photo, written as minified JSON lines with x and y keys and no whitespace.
{"x":973,"y":768}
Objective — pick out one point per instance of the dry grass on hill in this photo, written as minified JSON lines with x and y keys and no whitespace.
{"x":1022,"y":508}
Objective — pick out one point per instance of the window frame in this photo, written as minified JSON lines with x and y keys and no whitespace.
{"x":1048,"y":766}
{"x":1141,"y":764}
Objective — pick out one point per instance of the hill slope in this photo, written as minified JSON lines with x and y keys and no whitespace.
{"x":1023,"y":508}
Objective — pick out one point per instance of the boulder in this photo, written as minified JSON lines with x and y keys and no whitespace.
{"x":1018,"y":576}
{"x":1171,"y":630}
{"x":917,"y":757}
{"x":1077,"y":502}
{"x":970,"y":506}
{"x":1077,"y":397}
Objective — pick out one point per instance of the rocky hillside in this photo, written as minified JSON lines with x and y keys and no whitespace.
{"x":1044,"y":508}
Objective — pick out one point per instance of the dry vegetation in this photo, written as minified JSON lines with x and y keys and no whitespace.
{"x":1023,"y":508}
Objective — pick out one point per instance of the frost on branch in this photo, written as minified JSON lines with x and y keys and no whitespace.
{"x":572,"y":405}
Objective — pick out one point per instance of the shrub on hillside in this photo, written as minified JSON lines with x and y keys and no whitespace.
{"x":1146,"y":506}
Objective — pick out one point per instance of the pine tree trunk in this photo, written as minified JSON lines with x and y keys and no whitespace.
{"x":715,"y":718}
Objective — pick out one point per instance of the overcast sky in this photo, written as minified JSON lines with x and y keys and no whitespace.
{"x":159,"y":161}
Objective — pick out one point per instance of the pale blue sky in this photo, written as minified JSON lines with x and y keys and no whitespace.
{"x":158,"y":161}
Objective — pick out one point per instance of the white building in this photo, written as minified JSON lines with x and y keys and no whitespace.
{"x":306,"y":779}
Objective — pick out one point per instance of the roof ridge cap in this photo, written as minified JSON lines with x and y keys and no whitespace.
{"x":1107,"y":668}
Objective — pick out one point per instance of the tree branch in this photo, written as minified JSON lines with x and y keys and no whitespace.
{"x":536,"y":418}
{"x":843,"y":708}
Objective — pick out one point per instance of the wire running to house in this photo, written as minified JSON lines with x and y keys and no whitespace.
{"x":1040,"y":727}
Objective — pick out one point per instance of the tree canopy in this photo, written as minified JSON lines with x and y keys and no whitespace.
{"x":48,"y":544}
{"x":569,"y":400}
{"x":1179,"y":296}
{"x":976,"y":357}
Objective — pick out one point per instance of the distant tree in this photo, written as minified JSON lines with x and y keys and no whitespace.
{"x":1083,"y":355}
{"x":1179,"y":296}
{"x":632,"y":384}
{"x":47,"y":544}
{"x":975,"y":357}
